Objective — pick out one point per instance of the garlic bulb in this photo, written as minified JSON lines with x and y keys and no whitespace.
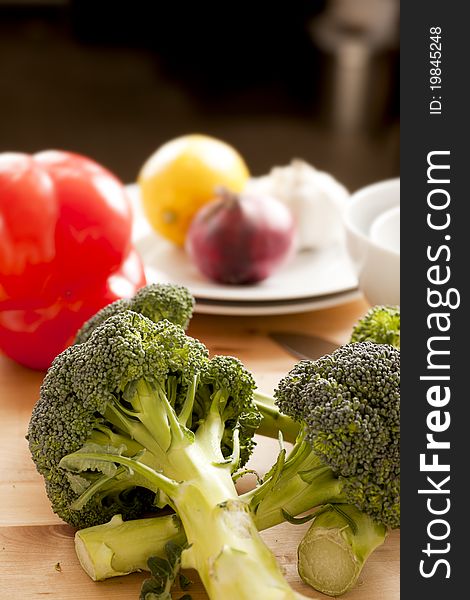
{"x":315,"y":198}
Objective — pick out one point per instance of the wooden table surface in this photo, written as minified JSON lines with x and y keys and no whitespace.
{"x":37,"y":557}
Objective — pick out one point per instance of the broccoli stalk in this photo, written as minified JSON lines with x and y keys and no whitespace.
{"x":100,"y":549}
{"x":139,"y":406}
{"x":273,"y":421}
{"x":334,"y":549}
{"x":293,"y":486}
{"x":286,"y":492}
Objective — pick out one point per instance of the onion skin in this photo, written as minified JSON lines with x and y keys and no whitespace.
{"x":237,"y":239}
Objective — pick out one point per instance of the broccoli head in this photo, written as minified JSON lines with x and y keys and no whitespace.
{"x":156,"y":301}
{"x":138,"y":413}
{"x":349,"y":404}
{"x":87,"y":398}
{"x":175,"y":303}
{"x":82,"y":401}
{"x":381,"y":324}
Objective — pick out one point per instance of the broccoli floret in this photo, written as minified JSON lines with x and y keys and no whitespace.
{"x":381,"y":325}
{"x":156,"y":301}
{"x":226,"y":378}
{"x":139,"y":406}
{"x":349,"y":403}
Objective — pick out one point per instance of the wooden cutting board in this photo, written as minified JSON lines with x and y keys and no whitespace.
{"x":37,"y":557}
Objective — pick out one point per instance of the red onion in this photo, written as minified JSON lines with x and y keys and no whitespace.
{"x":241,"y":238}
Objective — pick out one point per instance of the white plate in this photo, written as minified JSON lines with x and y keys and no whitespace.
{"x":310,"y":278}
{"x":274,"y":308}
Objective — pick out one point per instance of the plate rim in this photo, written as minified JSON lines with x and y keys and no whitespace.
{"x":266,"y":309}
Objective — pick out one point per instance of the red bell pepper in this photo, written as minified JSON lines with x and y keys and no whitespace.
{"x":65,"y":250}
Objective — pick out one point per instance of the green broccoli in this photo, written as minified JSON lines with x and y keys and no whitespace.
{"x":350,"y":404}
{"x":341,"y":534}
{"x":381,"y":325}
{"x":156,"y":301}
{"x":175,"y":303}
{"x":347,"y":455}
{"x":138,"y":415}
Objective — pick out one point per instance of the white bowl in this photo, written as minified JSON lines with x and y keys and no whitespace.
{"x":372,"y":223}
{"x":385,"y":230}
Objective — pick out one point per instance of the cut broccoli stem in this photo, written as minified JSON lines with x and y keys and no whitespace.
{"x":331,"y":555}
{"x":273,"y":421}
{"x":225,"y":547}
{"x":100,"y":551}
{"x":333,"y":551}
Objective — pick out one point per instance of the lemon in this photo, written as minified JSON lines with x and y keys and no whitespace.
{"x":181,"y":176}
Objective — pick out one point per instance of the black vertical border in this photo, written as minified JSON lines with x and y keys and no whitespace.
{"x":420,"y":134}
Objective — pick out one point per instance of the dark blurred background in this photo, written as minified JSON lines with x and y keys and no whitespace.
{"x":314,"y":79}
